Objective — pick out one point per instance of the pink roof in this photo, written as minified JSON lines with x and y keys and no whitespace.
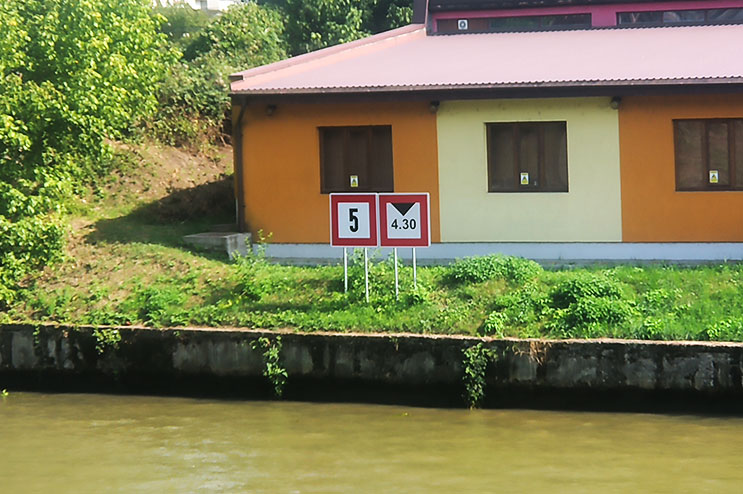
{"x":407,"y":59}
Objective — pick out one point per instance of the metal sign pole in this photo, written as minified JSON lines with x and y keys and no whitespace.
{"x":366,"y":274}
{"x":415,"y":271}
{"x":345,"y":270}
{"x":397,"y":289}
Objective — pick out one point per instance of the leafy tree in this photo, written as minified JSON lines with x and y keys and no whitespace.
{"x":182,"y":23}
{"x":194,"y":99}
{"x":246,"y":35}
{"x":315,"y":24}
{"x":384,"y":15}
{"x":72,"y":74}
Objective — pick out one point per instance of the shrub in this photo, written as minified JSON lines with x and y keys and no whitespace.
{"x":182,"y":22}
{"x":657,"y":301}
{"x":494,"y":325}
{"x":730,"y":329}
{"x":246,"y":35}
{"x":161,"y":306}
{"x":381,"y":279}
{"x":248,"y":277}
{"x":592,"y":316}
{"x":419,"y":295}
{"x":479,"y":269}
{"x":586,"y":305}
{"x":475,"y":363}
{"x":522,"y":306}
{"x":72,"y":74}
{"x":582,"y":285}
{"x":651,"y":328}
{"x":193,"y":102}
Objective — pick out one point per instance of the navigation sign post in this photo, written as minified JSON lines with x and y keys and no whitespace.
{"x":386,"y":220}
{"x":405,"y":221}
{"x":353,"y":223}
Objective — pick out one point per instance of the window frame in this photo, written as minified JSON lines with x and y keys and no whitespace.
{"x":325,"y":188}
{"x":705,"y":164}
{"x":517,"y":187}
{"x":662,"y":22}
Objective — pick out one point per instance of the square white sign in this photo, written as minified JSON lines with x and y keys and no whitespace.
{"x":353,"y":220}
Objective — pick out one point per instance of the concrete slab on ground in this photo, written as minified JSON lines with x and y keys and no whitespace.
{"x":230,"y":242}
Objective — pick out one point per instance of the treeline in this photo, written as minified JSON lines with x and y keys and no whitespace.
{"x":194,"y":98}
{"x":76,"y":74}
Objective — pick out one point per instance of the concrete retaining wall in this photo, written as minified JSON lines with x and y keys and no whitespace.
{"x":398,"y":367}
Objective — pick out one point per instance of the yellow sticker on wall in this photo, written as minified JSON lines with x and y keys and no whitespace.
{"x":714,"y":176}
{"x":354,"y":180}
{"x":524,"y":178}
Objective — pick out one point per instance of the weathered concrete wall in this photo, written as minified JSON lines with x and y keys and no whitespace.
{"x":432,"y":364}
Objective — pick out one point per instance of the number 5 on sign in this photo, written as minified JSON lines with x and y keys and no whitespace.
{"x":353,"y":220}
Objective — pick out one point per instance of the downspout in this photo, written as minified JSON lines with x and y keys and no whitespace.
{"x":237,"y":156}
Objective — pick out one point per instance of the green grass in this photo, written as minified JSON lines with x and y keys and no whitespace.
{"x":171,"y":286}
{"x":126,"y":264}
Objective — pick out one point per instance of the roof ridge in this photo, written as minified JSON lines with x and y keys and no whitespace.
{"x":325,"y":52}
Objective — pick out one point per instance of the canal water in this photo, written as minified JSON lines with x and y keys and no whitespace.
{"x":79,"y":443}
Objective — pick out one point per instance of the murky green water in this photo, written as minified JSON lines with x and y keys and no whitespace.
{"x":96,"y":443}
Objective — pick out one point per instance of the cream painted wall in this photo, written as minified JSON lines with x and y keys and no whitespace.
{"x":589,"y":212}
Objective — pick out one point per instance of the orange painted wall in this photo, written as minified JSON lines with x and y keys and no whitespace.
{"x":281,"y":157}
{"x":652,"y":209}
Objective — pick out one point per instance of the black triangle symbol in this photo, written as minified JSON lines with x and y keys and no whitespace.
{"x":403,"y":207}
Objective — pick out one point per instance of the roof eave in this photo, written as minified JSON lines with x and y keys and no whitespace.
{"x":495,"y":91}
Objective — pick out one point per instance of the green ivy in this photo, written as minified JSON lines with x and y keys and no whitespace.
{"x":273,"y":371}
{"x":475,"y":363}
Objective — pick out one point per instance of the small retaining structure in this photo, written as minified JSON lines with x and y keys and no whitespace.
{"x":608,"y":374}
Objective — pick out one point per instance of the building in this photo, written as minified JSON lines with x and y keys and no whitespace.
{"x":551,"y":129}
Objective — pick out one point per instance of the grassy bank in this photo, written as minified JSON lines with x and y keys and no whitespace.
{"x":499,"y":296}
{"x":126,"y":264}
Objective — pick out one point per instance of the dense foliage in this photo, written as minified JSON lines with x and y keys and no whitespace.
{"x":73,"y":73}
{"x":246,"y":35}
{"x":194,"y":99}
{"x":182,"y":22}
{"x":164,"y":286}
{"x":315,"y":24}
{"x":76,"y":74}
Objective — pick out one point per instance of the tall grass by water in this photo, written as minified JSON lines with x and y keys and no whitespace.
{"x":495,"y":296}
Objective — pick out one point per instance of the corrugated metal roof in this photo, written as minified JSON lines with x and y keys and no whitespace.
{"x":406,"y":59}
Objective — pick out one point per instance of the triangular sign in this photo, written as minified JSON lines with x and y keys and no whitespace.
{"x":403,"y":207}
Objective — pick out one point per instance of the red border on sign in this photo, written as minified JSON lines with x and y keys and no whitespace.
{"x":420,"y":198}
{"x":335,"y":240}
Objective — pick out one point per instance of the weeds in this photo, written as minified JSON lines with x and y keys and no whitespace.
{"x":272,"y":370}
{"x":653,"y":302}
{"x":475,"y":363}
{"x":494,"y":325}
{"x":479,"y":269}
{"x":106,"y":340}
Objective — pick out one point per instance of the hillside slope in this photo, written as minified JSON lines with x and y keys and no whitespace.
{"x":128,"y":233}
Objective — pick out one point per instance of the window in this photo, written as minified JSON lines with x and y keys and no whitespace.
{"x":527,"y":157}
{"x":516,"y":23}
{"x":680,"y":17}
{"x":356,"y":159}
{"x":709,"y":154}
{"x":540,"y":23}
